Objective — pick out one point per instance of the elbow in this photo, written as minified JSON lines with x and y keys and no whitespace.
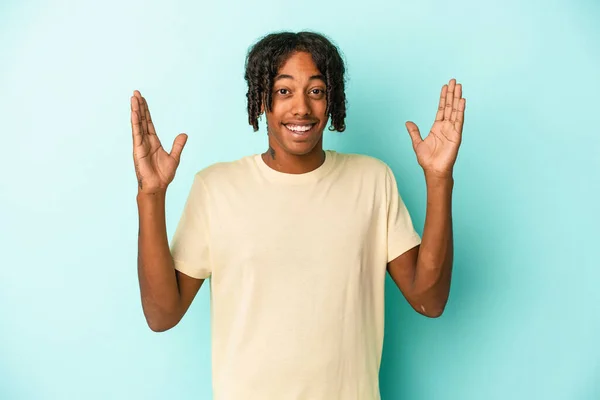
{"x":434,"y":314}
{"x":159,"y":317}
{"x":434,"y":311}
{"x":154,"y":327}
{"x":160,"y":323}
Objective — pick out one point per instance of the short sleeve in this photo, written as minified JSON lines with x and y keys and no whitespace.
{"x":401,"y":234}
{"x":190,"y":247}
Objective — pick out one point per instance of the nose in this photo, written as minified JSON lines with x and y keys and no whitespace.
{"x":301,"y":105}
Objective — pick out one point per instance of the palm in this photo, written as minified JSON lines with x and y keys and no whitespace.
{"x":154,"y":163}
{"x":154,"y":167}
{"x":438,"y":151}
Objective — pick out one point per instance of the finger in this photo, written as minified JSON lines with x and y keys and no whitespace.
{"x":413,"y":131}
{"x":449,"y":96}
{"x":440,"y":112}
{"x":151,"y":130}
{"x":146,"y":123}
{"x":460,"y":115}
{"x":178,"y":144}
{"x":136,"y":123}
{"x":455,"y":101}
{"x":140,"y":101}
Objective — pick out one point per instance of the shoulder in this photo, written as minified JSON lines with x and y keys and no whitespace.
{"x":363,"y":164}
{"x":226,"y":171}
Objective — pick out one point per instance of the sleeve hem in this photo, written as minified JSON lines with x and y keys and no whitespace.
{"x":397,"y":250}
{"x":189,"y":271}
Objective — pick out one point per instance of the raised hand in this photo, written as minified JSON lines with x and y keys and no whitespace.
{"x":154,"y":167}
{"x":437,"y":153}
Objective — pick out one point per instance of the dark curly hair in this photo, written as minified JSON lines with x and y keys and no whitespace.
{"x":267,"y":55}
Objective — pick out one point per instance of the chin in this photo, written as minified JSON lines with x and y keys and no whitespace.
{"x":300,"y":148}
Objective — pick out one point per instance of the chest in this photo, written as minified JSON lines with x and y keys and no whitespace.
{"x":299,"y":231}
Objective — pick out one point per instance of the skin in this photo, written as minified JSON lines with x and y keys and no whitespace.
{"x":166,"y":294}
{"x":422,"y":273}
{"x":299,"y":97}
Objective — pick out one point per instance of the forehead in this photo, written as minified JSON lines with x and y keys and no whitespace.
{"x":299,"y":64}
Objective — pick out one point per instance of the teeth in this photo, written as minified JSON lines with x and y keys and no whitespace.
{"x":299,"y":128}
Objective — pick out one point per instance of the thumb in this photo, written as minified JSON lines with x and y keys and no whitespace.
{"x":178,"y":144}
{"x":414,"y":133}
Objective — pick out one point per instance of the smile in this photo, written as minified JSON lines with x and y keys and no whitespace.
{"x":299,"y":130}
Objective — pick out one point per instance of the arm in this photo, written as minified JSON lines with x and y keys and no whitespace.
{"x":423,"y":273}
{"x":166,"y":293}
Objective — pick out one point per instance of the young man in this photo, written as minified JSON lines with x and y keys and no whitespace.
{"x":296,"y":241}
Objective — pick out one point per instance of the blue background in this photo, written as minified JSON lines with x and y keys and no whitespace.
{"x":523,"y":320}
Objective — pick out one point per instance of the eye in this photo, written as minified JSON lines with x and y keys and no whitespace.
{"x":317,"y":91}
{"x":282,"y":91}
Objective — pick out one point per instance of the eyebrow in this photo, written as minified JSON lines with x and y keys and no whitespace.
{"x":284,"y":76}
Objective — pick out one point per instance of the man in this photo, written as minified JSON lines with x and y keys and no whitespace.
{"x":296,"y":241}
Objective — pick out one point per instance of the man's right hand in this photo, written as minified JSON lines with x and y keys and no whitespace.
{"x":154,"y":167}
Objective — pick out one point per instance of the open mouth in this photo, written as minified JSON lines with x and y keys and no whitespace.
{"x":300,"y":129}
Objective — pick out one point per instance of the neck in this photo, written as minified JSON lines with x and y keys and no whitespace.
{"x":285,"y":162}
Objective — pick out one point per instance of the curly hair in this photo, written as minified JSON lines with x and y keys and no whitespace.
{"x":266,"y":57}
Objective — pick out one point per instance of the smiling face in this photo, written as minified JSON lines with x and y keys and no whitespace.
{"x":298,"y":114}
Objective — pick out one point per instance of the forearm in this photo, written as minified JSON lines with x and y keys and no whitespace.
{"x":156,"y":273}
{"x":434,"y":262}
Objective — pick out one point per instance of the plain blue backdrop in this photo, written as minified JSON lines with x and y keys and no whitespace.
{"x":523,"y":320}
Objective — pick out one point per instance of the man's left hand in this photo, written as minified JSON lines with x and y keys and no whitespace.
{"x":437,"y":153}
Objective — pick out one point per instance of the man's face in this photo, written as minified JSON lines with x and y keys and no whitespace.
{"x":298,"y":113}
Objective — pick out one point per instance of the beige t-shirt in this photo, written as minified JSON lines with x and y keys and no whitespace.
{"x":297,"y":266}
